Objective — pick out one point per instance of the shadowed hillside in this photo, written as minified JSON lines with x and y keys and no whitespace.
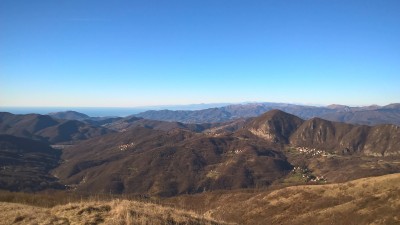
{"x":25,"y":164}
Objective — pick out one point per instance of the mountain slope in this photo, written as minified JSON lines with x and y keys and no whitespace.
{"x":168,"y":163}
{"x":330,"y":136}
{"x":341,"y":138}
{"x":373,"y":200}
{"x":25,"y":164}
{"x":282,"y":128}
{"x":383,"y":140}
{"x":275,"y":126}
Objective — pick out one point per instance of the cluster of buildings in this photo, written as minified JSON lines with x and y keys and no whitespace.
{"x":237,"y":151}
{"x":307,"y":175}
{"x":311,"y":151}
{"x":318,"y":179}
{"x":126,"y":146}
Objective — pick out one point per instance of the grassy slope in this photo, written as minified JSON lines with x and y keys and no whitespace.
{"x":373,"y":200}
{"x":96,"y":212}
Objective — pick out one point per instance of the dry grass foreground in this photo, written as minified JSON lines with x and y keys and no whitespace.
{"x":100,"y":212}
{"x":374,"y":200}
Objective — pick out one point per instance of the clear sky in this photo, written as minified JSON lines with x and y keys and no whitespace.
{"x":139,"y":53}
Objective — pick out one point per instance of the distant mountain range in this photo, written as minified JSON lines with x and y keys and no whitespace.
{"x":369,"y":115}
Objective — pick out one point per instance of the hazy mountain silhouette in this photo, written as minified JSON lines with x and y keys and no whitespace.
{"x":48,"y":129}
{"x":69,"y":115}
{"x":384,"y":115}
{"x":131,"y":122}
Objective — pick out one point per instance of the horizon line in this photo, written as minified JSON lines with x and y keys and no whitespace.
{"x":199,"y":104}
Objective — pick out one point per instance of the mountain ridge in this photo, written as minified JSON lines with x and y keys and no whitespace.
{"x":368,"y":115}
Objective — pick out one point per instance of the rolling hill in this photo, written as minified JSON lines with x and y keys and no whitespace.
{"x":372,"y":200}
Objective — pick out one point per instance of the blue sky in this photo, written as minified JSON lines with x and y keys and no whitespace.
{"x":140,"y":53}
